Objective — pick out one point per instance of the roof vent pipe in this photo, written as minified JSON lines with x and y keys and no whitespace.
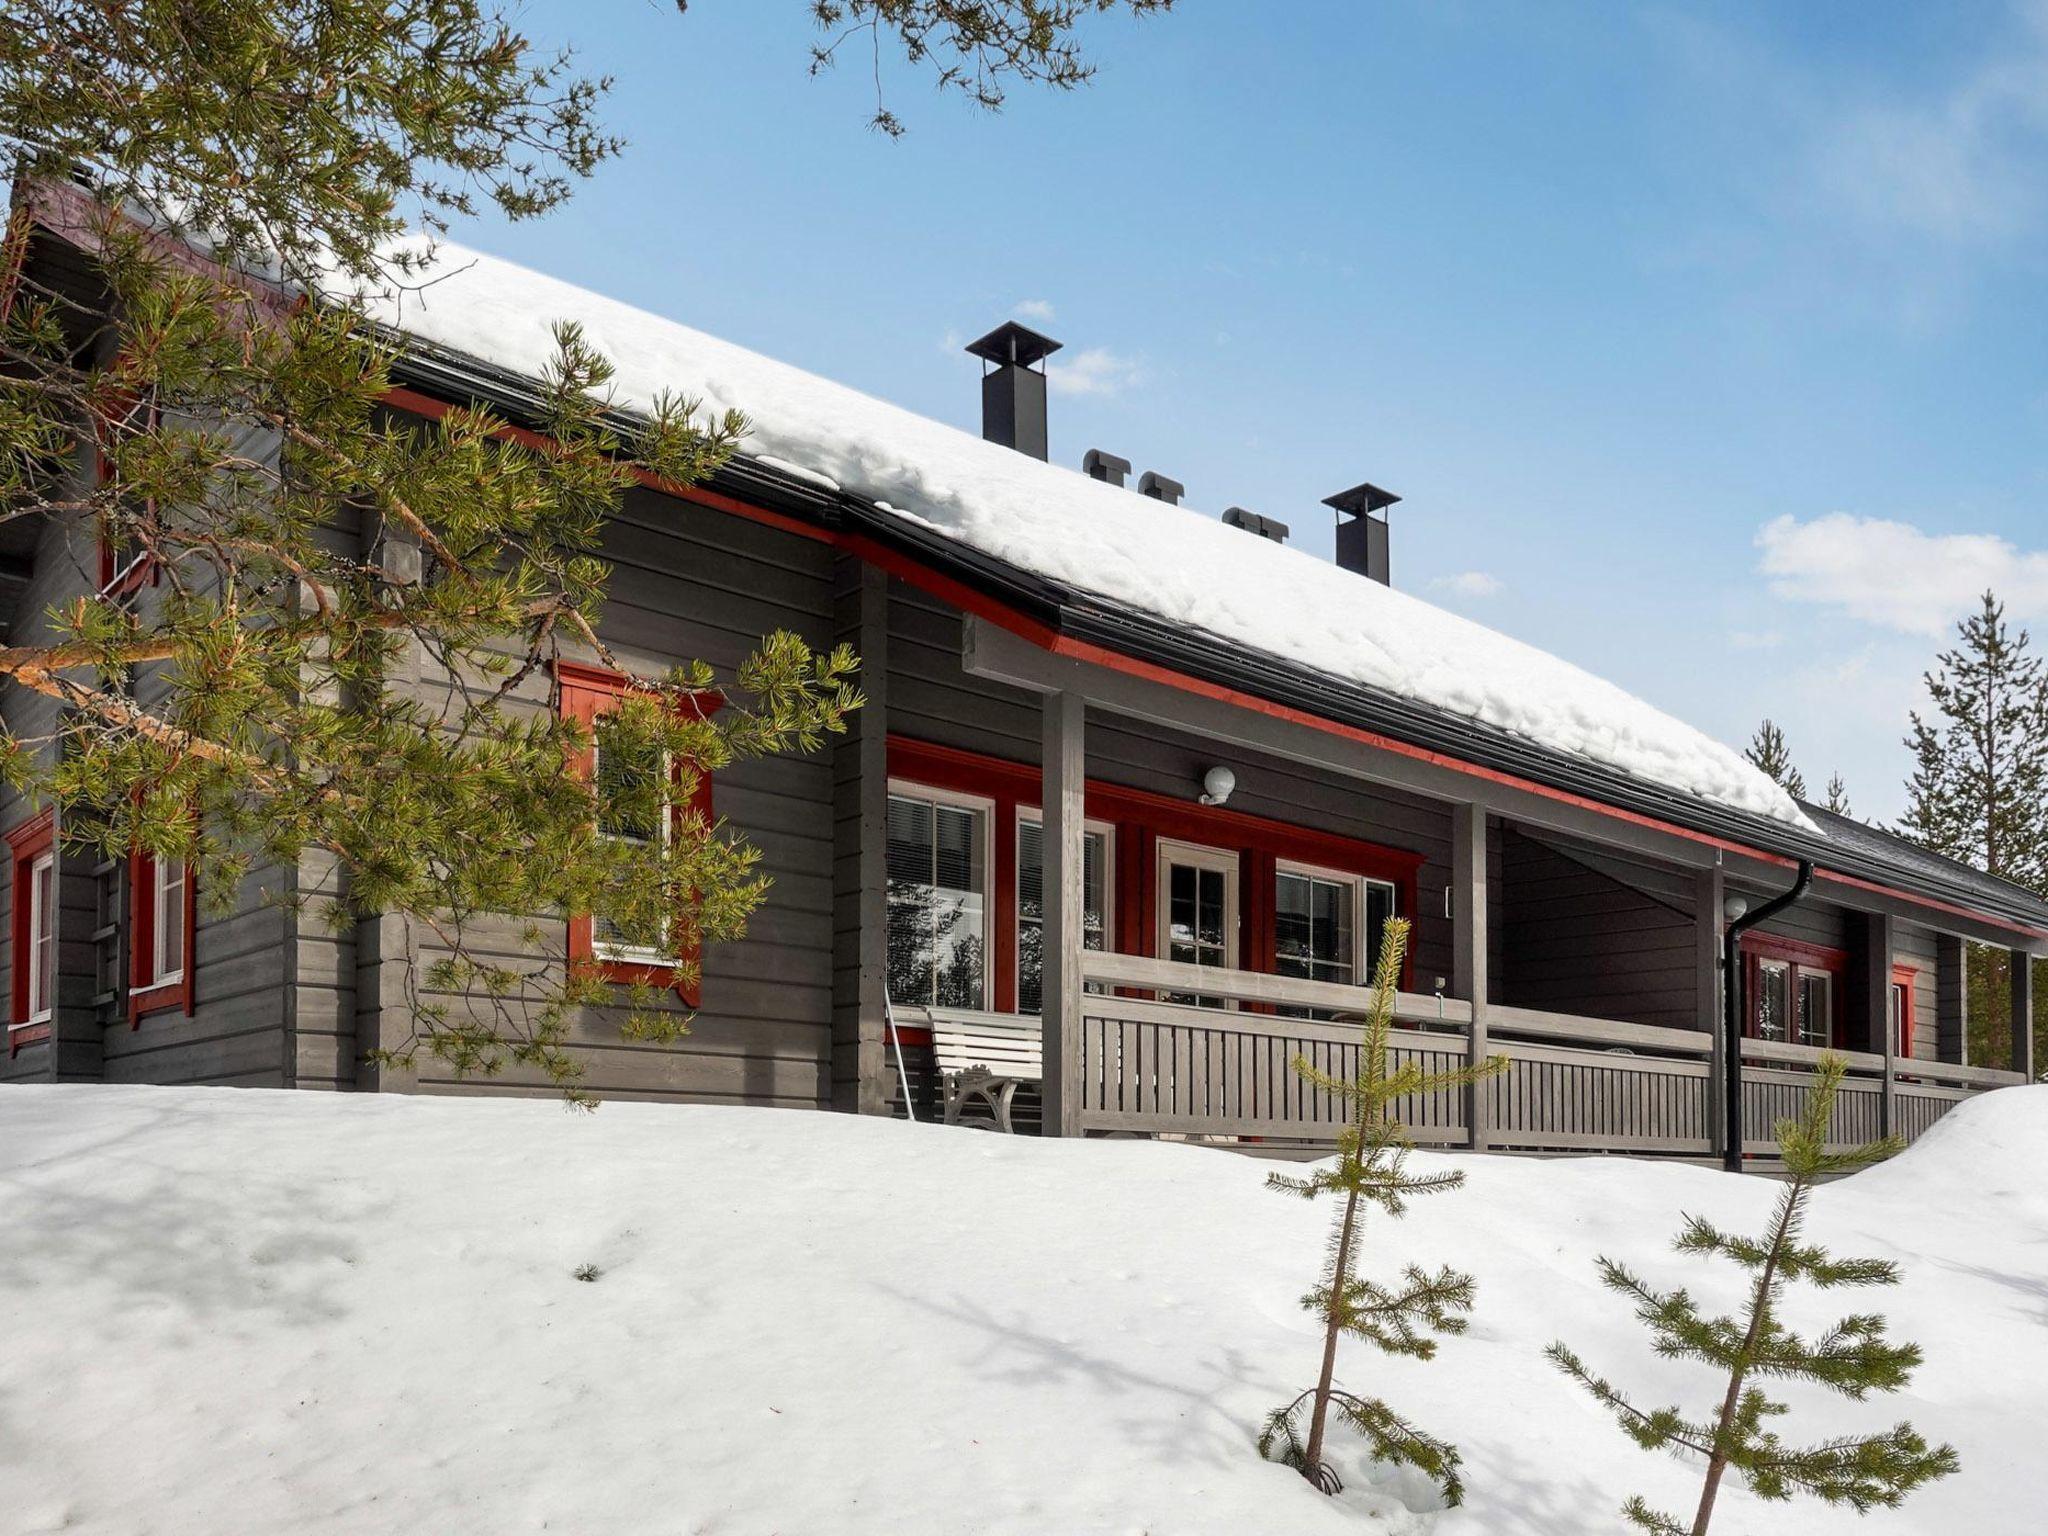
{"x":1362,"y":532}
{"x":1159,"y":488}
{"x":1265,"y":527}
{"x":1013,"y":387}
{"x":1106,"y":467}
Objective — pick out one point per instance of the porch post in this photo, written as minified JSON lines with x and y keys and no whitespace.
{"x":1710,"y":901}
{"x":2023,"y":1014}
{"x":863,"y":1079}
{"x":1468,"y":962}
{"x":1874,"y":995}
{"x":1065,"y":774}
{"x":1951,"y":999}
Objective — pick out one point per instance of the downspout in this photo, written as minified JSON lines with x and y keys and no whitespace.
{"x":1732,"y":1003}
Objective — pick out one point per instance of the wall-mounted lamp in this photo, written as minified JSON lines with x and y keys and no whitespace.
{"x":1735,"y":908}
{"x":1218,"y":784}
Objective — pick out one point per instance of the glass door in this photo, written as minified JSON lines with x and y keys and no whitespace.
{"x":1197,"y":899}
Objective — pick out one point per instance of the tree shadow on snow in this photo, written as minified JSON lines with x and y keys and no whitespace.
{"x":2032,"y":1290}
{"x":197,"y":1241}
{"x":1209,"y":1427}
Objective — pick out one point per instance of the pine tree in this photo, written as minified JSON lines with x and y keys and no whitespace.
{"x":204,"y":405}
{"x":1979,"y":791}
{"x":1853,"y":1357}
{"x":1838,"y":796}
{"x":1370,"y":1169}
{"x":974,"y":45}
{"x":1768,"y":751}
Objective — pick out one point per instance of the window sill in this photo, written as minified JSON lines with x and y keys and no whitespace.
{"x":159,"y":997}
{"x":638,"y":973}
{"x":32,"y":1033}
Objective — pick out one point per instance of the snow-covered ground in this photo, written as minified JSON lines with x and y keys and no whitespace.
{"x":227,"y":1311}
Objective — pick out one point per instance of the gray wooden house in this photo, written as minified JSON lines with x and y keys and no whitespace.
{"x":1136,"y":784}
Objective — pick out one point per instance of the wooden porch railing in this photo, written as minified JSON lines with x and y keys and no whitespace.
{"x":1154,"y":1058}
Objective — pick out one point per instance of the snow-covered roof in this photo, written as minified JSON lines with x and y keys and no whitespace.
{"x":1174,"y":563}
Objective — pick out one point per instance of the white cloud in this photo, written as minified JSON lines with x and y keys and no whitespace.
{"x":1034,"y":309}
{"x":1093,"y":371}
{"x":1471,"y":584}
{"x":1893,"y":575}
{"x":1959,"y":167}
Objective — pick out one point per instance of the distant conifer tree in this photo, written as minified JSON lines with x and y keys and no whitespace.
{"x":1852,"y":1357}
{"x":1768,"y":751}
{"x":1370,"y":1169}
{"x":1838,"y":796}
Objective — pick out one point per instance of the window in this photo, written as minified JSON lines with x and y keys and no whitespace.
{"x":1327,"y":926}
{"x":33,"y":930}
{"x":938,"y":860}
{"x":627,"y":777}
{"x":1096,"y":885}
{"x":624,"y":776}
{"x":160,"y":932}
{"x":1792,"y":991}
{"x":1197,"y":909}
{"x":1902,"y":1003}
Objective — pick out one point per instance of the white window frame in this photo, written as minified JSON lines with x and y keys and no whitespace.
{"x":910,"y":789}
{"x":159,"y":977}
{"x":1107,"y":831}
{"x":1827,"y":1017}
{"x":40,"y":983}
{"x":1362,"y":962}
{"x":604,"y":949}
{"x":1198,"y":856}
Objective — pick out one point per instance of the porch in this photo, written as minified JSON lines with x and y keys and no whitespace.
{"x":1221,"y":1070}
{"x":1046,"y":846}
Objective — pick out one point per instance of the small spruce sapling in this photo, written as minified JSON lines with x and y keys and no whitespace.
{"x":1852,"y":1357}
{"x":1369,"y":1169}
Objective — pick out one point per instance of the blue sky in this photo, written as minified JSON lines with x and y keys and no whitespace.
{"x":1708,"y":345}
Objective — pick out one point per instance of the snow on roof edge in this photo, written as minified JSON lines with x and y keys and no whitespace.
{"x":1241,"y":590}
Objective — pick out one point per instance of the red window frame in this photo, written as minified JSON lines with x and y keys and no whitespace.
{"x":1905,"y":978}
{"x":145,"y":993}
{"x":585,"y":694}
{"x":25,"y":844}
{"x":1141,"y":818}
{"x":1798,"y":956}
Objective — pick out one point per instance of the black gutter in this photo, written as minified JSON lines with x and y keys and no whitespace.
{"x":1196,"y":653}
{"x":1732,"y":1002}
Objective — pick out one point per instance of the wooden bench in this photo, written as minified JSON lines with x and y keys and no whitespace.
{"x":985,"y":1056}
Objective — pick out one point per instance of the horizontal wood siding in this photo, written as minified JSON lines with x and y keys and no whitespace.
{"x":1580,"y":941}
{"x":690,"y":583}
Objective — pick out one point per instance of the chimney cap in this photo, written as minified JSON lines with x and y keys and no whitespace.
{"x":1251,"y":522}
{"x":1159,"y":488}
{"x":1361,"y":499}
{"x":1013,"y":343}
{"x":1106,"y":467}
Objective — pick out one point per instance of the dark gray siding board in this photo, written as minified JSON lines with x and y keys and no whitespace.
{"x":1579,"y":941}
{"x":691,"y":583}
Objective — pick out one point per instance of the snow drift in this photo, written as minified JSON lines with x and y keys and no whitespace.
{"x":1178,"y":565}
{"x":241,"y":1311}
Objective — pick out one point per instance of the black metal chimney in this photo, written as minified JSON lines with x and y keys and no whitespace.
{"x":1106,"y":467}
{"x":1265,"y":527}
{"x":1159,"y":488}
{"x":1012,"y":390}
{"x":1362,"y":544}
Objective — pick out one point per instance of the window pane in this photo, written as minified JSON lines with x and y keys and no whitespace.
{"x":42,"y":936}
{"x":170,"y":918}
{"x":627,"y":773}
{"x":1815,"y":1015}
{"x":1774,"y":979}
{"x":937,"y":894}
{"x":1379,"y":906}
{"x":1031,"y":906}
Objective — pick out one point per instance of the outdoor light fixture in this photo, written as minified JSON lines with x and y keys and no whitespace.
{"x":1735,"y":907}
{"x":1217,"y":785}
